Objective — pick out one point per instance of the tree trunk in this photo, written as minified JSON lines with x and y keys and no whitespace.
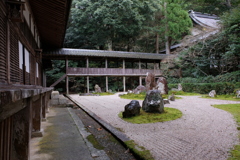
{"x":109,"y":45}
{"x":157,"y":43}
{"x":228,"y":2}
{"x":167,"y":45}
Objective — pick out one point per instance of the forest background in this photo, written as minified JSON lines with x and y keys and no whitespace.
{"x":150,"y":26}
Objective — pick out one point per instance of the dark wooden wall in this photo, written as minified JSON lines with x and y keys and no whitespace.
{"x":3,"y":44}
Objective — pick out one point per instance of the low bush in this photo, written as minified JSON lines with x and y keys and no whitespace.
{"x":204,"y":88}
{"x":228,"y":77}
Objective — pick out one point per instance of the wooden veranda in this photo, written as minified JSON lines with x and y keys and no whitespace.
{"x":129,"y":64}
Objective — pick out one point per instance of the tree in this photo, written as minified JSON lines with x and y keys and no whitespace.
{"x":106,"y":23}
{"x":176,"y":20}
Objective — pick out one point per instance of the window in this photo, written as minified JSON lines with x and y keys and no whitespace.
{"x":20,"y":48}
{"x":27,"y":64}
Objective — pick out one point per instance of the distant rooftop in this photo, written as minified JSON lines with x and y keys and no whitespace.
{"x":205,"y":20}
{"x":62,"y":53}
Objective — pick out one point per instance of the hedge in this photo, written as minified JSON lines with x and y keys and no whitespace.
{"x":204,"y":88}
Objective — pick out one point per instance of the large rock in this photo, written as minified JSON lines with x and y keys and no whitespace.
{"x":97,"y":89}
{"x":162,"y":85}
{"x":212,"y":93}
{"x":150,"y":81}
{"x":238,"y":93}
{"x":171,"y":97}
{"x":153,"y":102}
{"x":179,"y":87}
{"x":132,"y":109}
{"x":139,"y":89}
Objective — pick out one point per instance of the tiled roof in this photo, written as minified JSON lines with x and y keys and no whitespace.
{"x":102,"y":53}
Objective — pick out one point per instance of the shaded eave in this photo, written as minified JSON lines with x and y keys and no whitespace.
{"x":78,"y":53}
{"x":51,"y":17}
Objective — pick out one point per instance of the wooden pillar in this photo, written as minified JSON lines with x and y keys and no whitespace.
{"x":140,"y":81}
{"x":87,"y":63}
{"x":37,"y":116}
{"x":124,"y":84}
{"x":22,"y":128}
{"x":67,"y":85}
{"x":87,"y":84}
{"x":106,"y":83}
{"x":44,"y":105}
{"x":123,"y":66}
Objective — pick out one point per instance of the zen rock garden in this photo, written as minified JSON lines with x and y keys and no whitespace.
{"x":153,"y":101}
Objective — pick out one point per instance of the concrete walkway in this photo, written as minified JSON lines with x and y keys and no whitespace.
{"x":202,"y":133}
{"x":64,"y":138}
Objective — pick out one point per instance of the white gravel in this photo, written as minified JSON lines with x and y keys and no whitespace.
{"x":202,"y":133}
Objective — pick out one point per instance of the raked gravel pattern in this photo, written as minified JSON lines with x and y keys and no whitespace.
{"x":202,"y":133}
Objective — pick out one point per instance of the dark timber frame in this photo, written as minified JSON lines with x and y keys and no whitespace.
{"x":106,"y":71}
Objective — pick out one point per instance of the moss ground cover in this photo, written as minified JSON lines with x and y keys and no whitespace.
{"x":141,"y":96}
{"x":144,"y":117}
{"x":140,"y":152}
{"x":234,"y":109}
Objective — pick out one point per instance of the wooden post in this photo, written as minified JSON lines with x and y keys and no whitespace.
{"x":106,"y":63}
{"x":123,"y":66}
{"x":106,"y":83}
{"x":22,"y":127}
{"x":140,"y":81}
{"x":124,"y":84}
{"x":67,"y":88}
{"x":87,"y":84}
{"x":37,"y":116}
{"x":87,"y":63}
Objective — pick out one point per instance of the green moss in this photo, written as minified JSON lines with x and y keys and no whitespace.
{"x":223,"y":97}
{"x":145,"y":117}
{"x":133,"y":96}
{"x":235,"y":153}
{"x":139,"y":151}
{"x":234,"y":109}
{"x":94,"y":142}
{"x":182,"y":93}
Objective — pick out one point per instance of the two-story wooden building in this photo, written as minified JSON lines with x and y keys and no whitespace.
{"x":27,"y":27}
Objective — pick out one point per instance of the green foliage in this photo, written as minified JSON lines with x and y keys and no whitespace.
{"x":176,"y":19}
{"x":205,"y":88}
{"x":169,"y":114}
{"x":227,"y":77}
{"x":100,"y":24}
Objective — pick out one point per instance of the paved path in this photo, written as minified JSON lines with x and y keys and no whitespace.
{"x":202,"y":133}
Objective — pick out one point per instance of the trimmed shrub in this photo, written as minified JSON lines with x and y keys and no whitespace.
{"x":204,"y":88}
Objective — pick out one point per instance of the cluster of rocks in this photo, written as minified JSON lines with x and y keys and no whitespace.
{"x":153,"y":102}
